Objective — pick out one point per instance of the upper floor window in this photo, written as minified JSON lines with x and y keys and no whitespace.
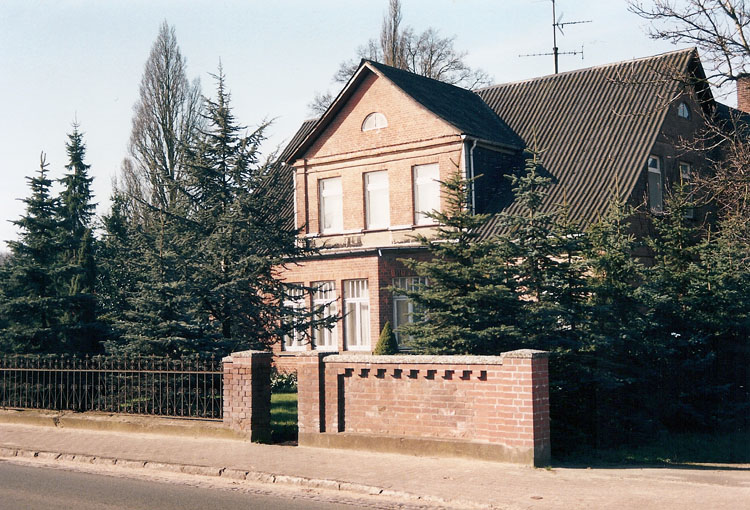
{"x":686,"y":175}
{"x":655,"y":185}
{"x":683,"y":111}
{"x":377,"y":204}
{"x":375,"y":120}
{"x":426,"y":192}
{"x":331,"y":205}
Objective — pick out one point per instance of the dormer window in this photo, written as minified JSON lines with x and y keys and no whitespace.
{"x":375,"y":120}
{"x":683,"y":111}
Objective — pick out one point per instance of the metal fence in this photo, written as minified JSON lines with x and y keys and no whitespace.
{"x":187,"y":387}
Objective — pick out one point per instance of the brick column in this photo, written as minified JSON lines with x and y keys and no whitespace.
{"x":310,"y":393}
{"x":247,"y":393}
{"x":528,"y":375}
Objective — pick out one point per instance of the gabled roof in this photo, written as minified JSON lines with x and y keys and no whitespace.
{"x":596,"y":126}
{"x":461,"y":108}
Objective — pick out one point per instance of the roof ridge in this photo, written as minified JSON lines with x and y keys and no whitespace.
{"x":586,"y":69}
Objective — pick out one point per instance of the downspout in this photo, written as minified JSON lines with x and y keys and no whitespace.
{"x":471,"y":168}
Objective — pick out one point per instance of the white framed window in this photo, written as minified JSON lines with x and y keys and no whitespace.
{"x":426,"y":192}
{"x":324,"y":299}
{"x":357,"y":315}
{"x":331,"y":205}
{"x":683,"y":111}
{"x":377,"y":202}
{"x":686,"y":176}
{"x":375,"y":120}
{"x":655,"y":185}
{"x":294,"y":307}
{"x":404,"y":309}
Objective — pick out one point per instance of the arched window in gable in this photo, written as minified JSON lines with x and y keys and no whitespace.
{"x":375,"y":120}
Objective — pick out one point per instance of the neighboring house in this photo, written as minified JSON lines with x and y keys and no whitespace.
{"x":365,"y":173}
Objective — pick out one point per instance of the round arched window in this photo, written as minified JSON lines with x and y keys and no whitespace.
{"x":683,"y":111}
{"x":375,"y":120}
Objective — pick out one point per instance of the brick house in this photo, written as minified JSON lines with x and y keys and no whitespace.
{"x":365,"y":172}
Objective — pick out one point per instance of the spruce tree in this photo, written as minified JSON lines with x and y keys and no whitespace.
{"x":151,"y":305}
{"x":679,"y":304}
{"x":32,"y":305}
{"x":612,"y":356}
{"x":469,"y":304}
{"x":83,"y":330}
{"x":545,"y":247}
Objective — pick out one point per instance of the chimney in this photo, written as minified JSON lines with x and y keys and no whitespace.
{"x":743,"y":93}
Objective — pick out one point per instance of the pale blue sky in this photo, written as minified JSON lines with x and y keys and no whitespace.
{"x":64,"y":59}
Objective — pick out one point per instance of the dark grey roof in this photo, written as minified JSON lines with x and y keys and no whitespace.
{"x":596,"y":126}
{"x":304,"y":130}
{"x":461,"y":108}
{"x":284,"y":177}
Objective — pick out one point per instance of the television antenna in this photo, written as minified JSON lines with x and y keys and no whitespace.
{"x":558,"y":24}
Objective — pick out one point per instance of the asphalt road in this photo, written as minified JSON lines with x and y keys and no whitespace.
{"x":39,"y":488}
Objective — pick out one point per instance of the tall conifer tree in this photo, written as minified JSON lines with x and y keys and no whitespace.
{"x":469,"y":304}
{"x":238,"y":231}
{"x":32,"y":303}
{"x":83,"y":331}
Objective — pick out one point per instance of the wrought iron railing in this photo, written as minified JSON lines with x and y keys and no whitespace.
{"x":186,"y":387}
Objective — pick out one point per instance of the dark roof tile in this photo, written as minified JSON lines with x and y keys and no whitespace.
{"x":595,"y":126}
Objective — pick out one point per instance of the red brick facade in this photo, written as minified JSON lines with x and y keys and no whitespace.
{"x":449,"y":403}
{"x":414,"y":136}
{"x":378,"y":267}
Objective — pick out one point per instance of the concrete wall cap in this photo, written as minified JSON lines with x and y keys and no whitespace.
{"x":414,"y":359}
{"x":249,"y":354}
{"x":303,"y":354}
{"x":525,"y":354}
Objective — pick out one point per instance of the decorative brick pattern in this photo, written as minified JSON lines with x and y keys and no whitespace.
{"x":247,"y":393}
{"x":501,"y":400}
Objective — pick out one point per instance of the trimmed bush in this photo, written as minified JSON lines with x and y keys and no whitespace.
{"x":387,"y":342}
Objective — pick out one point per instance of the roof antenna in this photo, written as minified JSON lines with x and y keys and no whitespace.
{"x":558,"y":24}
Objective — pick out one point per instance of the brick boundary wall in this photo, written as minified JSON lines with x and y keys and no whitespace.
{"x":489,"y":407}
{"x":247,"y":393}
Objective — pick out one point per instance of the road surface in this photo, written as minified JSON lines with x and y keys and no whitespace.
{"x":42,"y":488}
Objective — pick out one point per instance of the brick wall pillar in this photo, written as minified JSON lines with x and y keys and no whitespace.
{"x":247,"y":393}
{"x":528,"y":377}
{"x":310,"y":393}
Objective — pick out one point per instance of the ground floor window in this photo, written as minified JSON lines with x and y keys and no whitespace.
{"x":357,"y":315}
{"x":404,"y":309}
{"x":294,"y":307}
{"x":324,"y":300}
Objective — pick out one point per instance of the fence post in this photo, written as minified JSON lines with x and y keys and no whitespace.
{"x":247,"y":393}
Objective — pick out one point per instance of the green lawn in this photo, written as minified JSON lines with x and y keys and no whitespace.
{"x":283,"y":417}
{"x":671,"y":449}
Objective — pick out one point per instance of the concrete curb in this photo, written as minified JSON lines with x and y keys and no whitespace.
{"x":238,"y":474}
{"x":122,"y":423}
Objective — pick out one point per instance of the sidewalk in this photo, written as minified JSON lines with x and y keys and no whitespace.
{"x":441,"y":481}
